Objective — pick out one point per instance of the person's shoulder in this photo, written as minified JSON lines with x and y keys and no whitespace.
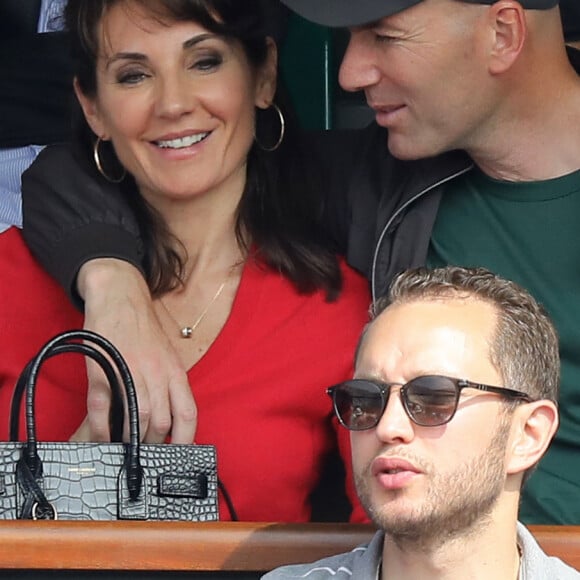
{"x":350,"y":274}
{"x":19,"y":266}
{"x":355,"y":286}
{"x":12,"y":245}
{"x":339,"y":567}
{"x":56,"y":151}
{"x":60,"y":162}
{"x":537,"y":564}
{"x":554,"y":569}
{"x":361,"y":563}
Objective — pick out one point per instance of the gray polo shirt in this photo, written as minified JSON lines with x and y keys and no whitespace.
{"x":363,"y":563}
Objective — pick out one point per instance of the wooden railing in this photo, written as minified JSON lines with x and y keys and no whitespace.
{"x":201,"y":547}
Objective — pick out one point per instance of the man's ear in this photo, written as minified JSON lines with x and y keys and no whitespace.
{"x":507,"y":21}
{"x":90,"y":111}
{"x":533,"y":427}
{"x":267,"y":77}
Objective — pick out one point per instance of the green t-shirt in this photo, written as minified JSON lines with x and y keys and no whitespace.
{"x":528,"y":232}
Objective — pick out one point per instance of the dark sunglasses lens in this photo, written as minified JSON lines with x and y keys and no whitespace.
{"x":431,"y":400}
{"x":358,"y":404}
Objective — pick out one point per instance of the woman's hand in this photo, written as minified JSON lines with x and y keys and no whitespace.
{"x":118,"y":305}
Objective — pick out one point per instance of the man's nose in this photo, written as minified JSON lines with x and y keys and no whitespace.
{"x":394,"y":424}
{"x":358,"y":69}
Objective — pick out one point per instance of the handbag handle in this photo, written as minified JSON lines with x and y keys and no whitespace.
{"x":132,"y":451}
{"x":117,"y":405}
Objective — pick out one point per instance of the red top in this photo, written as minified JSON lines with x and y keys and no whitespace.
{"x":260,"y":388}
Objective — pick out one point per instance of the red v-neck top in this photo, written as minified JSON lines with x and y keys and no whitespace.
{"x":260,"y":388}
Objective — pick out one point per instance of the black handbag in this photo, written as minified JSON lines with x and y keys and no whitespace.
{"x":101,"y":481}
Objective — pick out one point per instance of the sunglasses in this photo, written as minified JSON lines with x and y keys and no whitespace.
{"x":429,"y":401}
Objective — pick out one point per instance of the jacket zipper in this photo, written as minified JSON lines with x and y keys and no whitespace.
{"x":401,"y":208}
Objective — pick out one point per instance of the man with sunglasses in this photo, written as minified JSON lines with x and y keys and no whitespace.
{"x":452,"y":405}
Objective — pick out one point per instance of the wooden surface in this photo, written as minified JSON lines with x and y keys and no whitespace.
{"x":202,"y":547}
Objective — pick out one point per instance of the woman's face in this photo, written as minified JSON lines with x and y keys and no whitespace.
{"x":177,"y":102}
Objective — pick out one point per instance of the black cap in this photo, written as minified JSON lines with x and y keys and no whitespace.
{"x":355,"y":12}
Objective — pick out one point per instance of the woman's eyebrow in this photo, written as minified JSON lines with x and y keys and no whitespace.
{"x":138,"y":56}
{"x":197,"y":39}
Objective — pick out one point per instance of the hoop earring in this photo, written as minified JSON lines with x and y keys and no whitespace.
{"x":97,"y":158}
{"x":282,"y":131}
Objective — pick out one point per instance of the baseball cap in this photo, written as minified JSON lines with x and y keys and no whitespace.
{"x":355,"y":12}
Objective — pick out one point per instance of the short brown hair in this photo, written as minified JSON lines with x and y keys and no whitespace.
{"x":524,"y":347}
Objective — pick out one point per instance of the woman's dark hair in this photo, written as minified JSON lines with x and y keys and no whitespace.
{"x":278,"y":216}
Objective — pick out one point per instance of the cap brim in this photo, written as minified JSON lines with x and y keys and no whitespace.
{"x":339,"y":13}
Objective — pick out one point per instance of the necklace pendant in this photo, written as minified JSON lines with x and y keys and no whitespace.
{"x":186,"y":332}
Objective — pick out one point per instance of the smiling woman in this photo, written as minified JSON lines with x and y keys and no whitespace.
{"x":180,"y":107}
{"x":184,"y":130}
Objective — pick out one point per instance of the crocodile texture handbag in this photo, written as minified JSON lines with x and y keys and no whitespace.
{"x":101,"y":481}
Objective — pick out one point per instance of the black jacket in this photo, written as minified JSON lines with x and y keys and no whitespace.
{"x":387,"y":211}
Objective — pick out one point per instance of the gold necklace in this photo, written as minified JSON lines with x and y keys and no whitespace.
{"x":187,"y":331}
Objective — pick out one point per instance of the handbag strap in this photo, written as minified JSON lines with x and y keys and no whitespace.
{"x":133,"y":469}
{"x":35,"y":505}
{"x":117,"y":406}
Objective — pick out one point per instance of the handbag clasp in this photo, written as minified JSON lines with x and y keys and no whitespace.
{"x":45,"y":512}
